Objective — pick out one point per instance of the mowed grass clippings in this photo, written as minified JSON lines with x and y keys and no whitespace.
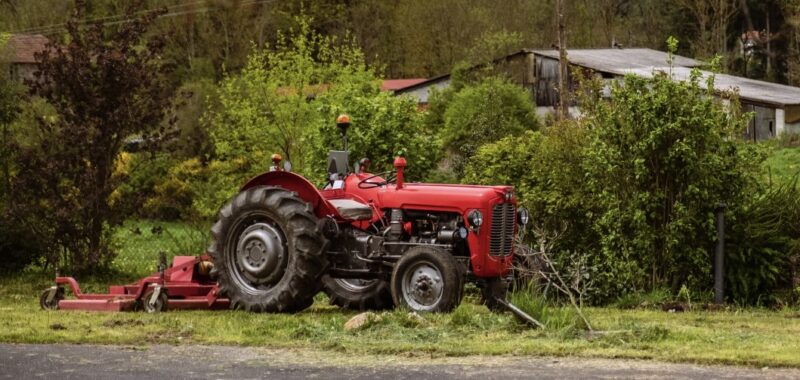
{"x":746,"y":337}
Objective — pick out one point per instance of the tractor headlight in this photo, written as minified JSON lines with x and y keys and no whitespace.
{"x":475,"y":218}
{"x":523,"y":217}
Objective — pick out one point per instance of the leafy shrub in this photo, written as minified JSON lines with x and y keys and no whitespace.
{"x":483,"y":113}
{"x":383,"y":127}
{"x":662,"y":155}
{"x":763,"y":247}
{"x":633,"y":184}
{"x":546,"y":170}
{"x":174,"y":195}
{"x":139,"y":174}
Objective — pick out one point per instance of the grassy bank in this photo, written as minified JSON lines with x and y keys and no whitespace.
{"x":783,"y":164}
{"x":747,"y":337}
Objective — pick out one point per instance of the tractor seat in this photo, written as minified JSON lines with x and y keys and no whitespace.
{"x":351,"y":210}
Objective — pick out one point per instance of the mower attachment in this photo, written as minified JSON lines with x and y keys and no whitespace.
{"x":185,"y":285}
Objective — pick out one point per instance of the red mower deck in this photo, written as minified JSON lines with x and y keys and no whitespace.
{"x":182,"y":286}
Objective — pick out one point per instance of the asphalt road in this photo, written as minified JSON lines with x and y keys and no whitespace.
{"x":217,"y":362}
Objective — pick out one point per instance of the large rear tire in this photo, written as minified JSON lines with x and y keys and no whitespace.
{"x":358,"y":294}
{"x":268,"y":251}
{"x":427,"y":279}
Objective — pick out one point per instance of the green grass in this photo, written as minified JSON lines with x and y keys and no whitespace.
{"x":783,"y":164}
{"x":747,"y":337}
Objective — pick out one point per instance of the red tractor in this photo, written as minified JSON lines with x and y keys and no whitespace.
{"x":369,"y":241}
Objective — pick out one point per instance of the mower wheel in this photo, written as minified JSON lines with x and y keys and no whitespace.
{"x":48,"y":303}
{"x":427,"y":279}
{"x":356,"y":294}
{"x":268,"y":251}
{"x":160,"y":304}
{"x":494,"y":288}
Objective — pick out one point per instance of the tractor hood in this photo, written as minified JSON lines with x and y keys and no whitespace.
{"x":443,"y":197}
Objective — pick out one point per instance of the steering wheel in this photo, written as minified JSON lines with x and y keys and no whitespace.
{"x":366,"y":183}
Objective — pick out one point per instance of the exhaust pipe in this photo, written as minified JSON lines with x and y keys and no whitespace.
{"x":399,"y":165}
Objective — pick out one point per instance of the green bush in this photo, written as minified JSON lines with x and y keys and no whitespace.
{"x":139,"y":174}
{"x":763,"y":247}
{"x":633,"y":184}
{"x":483,"y":113}
{"x":174,"y":195}
{"x":546,"y":170}
{"x":662,"y":155}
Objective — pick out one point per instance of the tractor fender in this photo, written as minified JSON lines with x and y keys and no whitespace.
{"x":293,"y":182}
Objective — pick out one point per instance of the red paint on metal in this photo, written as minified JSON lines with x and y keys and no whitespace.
{"x":299,"y":185}
{"x":399,"y":166}
{"x":185,"y":290}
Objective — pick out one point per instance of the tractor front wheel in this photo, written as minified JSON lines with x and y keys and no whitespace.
{"x":427,"y":279}
{"x":268,"y":251}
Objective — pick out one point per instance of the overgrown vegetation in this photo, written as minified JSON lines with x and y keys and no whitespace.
{"x":630,"y":190}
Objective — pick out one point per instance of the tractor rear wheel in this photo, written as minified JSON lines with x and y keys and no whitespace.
{"x":357,"y":294}
{"x":427,"y":279}
{"x":268,"y":251}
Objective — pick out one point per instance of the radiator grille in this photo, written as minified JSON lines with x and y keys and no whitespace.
{"x":502,"y":237}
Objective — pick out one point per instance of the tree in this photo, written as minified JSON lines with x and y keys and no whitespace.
{"x":105,"y":85}
{"x":711,"y":21}
{"x":286,"y":100}
{"x":8,"y":112}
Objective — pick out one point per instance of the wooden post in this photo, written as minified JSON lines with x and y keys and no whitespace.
{"x":563,"y":98}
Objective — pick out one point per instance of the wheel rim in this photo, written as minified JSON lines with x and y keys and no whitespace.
{"x":355,"y":285}
{"x":257,"y":254}
{"x":423,"y":286}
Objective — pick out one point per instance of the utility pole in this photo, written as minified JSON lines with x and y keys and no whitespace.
{"x":563,"y":101}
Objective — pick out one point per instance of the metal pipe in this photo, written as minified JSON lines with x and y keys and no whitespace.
{"x":719,"y":257}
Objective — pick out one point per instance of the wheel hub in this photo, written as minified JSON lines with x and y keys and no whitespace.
{"x":423,"y":286}
{"x":261,"y":253}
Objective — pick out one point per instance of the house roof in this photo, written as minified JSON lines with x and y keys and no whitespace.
{"x":755,"y":91}
{"x":617,"y":60}
{"x":444,"y":77}
{"x":396,"y":84}
{"x":22,"y":47}
{"x":646,"y":62}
